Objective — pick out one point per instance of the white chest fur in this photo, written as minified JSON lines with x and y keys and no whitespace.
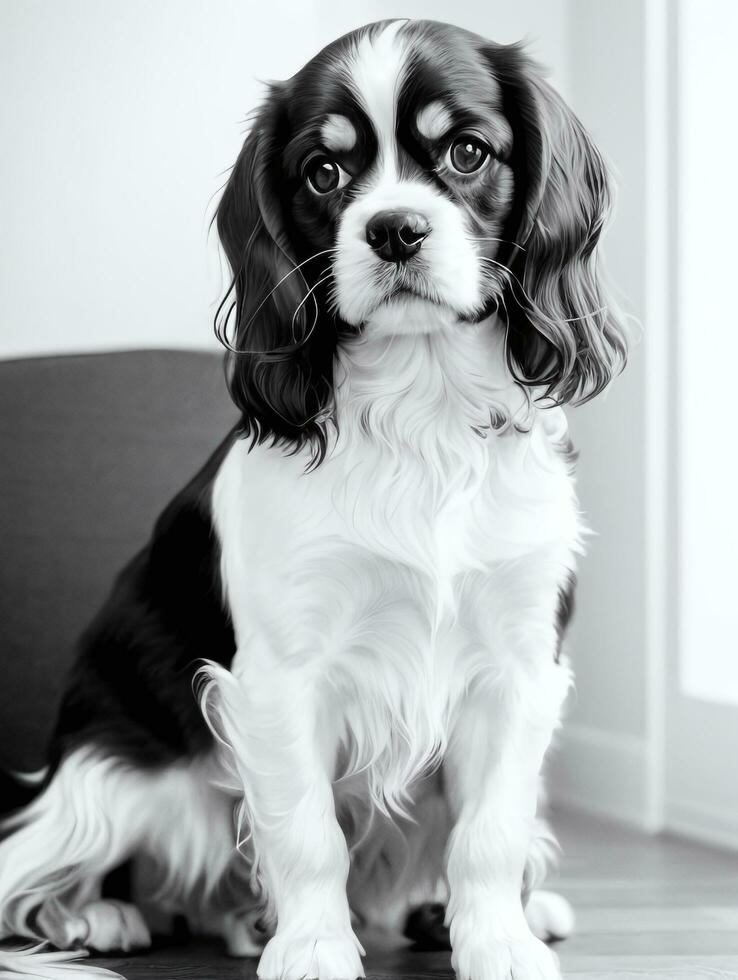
{"x":396,"y":567}
{"x":441,"y":461}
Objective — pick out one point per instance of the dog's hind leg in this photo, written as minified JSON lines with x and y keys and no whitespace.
{"x":96,"y":812}
{"x":56,"y":851}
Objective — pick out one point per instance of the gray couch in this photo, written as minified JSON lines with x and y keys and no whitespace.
{"x":91,"y":448}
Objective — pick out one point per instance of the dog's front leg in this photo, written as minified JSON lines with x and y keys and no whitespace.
{"x":271,"y":717}
{"x":493,"y":763}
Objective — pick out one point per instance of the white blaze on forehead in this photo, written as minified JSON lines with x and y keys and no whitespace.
{"x":338,"y":133}
{"x":434,"y":120}
{"x":375,"y":70}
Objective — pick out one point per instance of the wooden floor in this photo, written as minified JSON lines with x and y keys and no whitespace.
{"x":646,"y":908}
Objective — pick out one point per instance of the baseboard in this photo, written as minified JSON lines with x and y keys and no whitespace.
{"x":702,"y":823}
{"x":601,"y":772}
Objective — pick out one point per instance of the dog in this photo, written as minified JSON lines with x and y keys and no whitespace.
{"x":320,"y":697}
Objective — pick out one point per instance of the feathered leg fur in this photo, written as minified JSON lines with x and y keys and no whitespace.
{"x":271,"y":719}
{"x":494,"y":760}
{"x":96,"y":812}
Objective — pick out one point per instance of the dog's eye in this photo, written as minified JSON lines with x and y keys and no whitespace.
{"x":467,"y":154}
{"x":324,"y":175}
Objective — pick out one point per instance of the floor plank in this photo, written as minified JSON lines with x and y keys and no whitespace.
{"x":647,"y":908}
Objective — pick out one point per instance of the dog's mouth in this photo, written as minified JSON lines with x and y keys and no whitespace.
{"x":407,"y":309}
{"x":406,"y":285}
{"x":413,"y":292}
{"x":409,"y":299}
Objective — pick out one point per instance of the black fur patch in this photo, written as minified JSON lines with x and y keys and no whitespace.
{"x":131,"y":687}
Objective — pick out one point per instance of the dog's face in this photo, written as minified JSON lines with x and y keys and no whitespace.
{"x":413,"y":177}
{"x":402,"y":164}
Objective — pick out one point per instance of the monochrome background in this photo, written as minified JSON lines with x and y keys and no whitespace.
{"x":120,"y":121}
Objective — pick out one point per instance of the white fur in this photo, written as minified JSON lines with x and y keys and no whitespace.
{"x":549,"y":916}
{"x":433,"y":120}
{"x":394,"y":606}
{"x":374,"y":72}
{"x":39,"y":963}
{"x":97,"y":812}
{"x":338,"y":133}
{"x":30,"y":778}
{"x":104,"y":924}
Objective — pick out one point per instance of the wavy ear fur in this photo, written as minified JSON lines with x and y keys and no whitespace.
{"x":280,"y":357}
{"x":564,"y":334}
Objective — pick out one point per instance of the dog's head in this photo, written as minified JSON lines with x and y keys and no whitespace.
{"x":412,"y":177}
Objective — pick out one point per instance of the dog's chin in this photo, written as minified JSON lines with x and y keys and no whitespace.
{"x":406,"y":314}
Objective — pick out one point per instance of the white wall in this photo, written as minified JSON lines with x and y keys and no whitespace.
{"x":702,"y":706}
{"x":119,"y":120}
{"x":603,"y":763}
{"x":708,"y":462}
{"x":653,"y":737}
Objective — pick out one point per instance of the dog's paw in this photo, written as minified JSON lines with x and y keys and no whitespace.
{"x":242,"y":934}
{"x":478,"y":958}
{"x":325,"y":956}
{"x":549,"y":916}
{"x":115,"y":925}
{"x":106,"y":926}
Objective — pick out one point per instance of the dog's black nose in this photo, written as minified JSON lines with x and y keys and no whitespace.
{"x":397,"y":235}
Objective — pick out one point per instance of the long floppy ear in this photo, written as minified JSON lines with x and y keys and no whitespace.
{"x":281,"y":347}
{"x":564,"y":333}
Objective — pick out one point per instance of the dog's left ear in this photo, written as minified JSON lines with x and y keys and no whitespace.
{"x":564,"y":333}
{"x":281,"y":346}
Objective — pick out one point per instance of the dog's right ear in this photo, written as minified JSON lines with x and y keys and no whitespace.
{"x":280,"y":357}
{"x":565,"y":334}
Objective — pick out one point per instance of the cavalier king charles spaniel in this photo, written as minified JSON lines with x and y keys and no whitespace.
{"x":319,"y":699}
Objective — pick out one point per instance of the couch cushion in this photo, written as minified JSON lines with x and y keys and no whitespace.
{"x":91,"y":448}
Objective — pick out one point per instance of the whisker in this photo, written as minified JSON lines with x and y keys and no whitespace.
{"x":585,"y":316}
{"x":569,"y":319}
{"x":502,"y":241}
{"x":224,"y":339}
{"x":311,"y":293}
{"x":221,"y":328}
{"x":284,"y":279}
{"x":302,"y":302}
{"x":501,"y":300}
{"x":303,"y":340}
